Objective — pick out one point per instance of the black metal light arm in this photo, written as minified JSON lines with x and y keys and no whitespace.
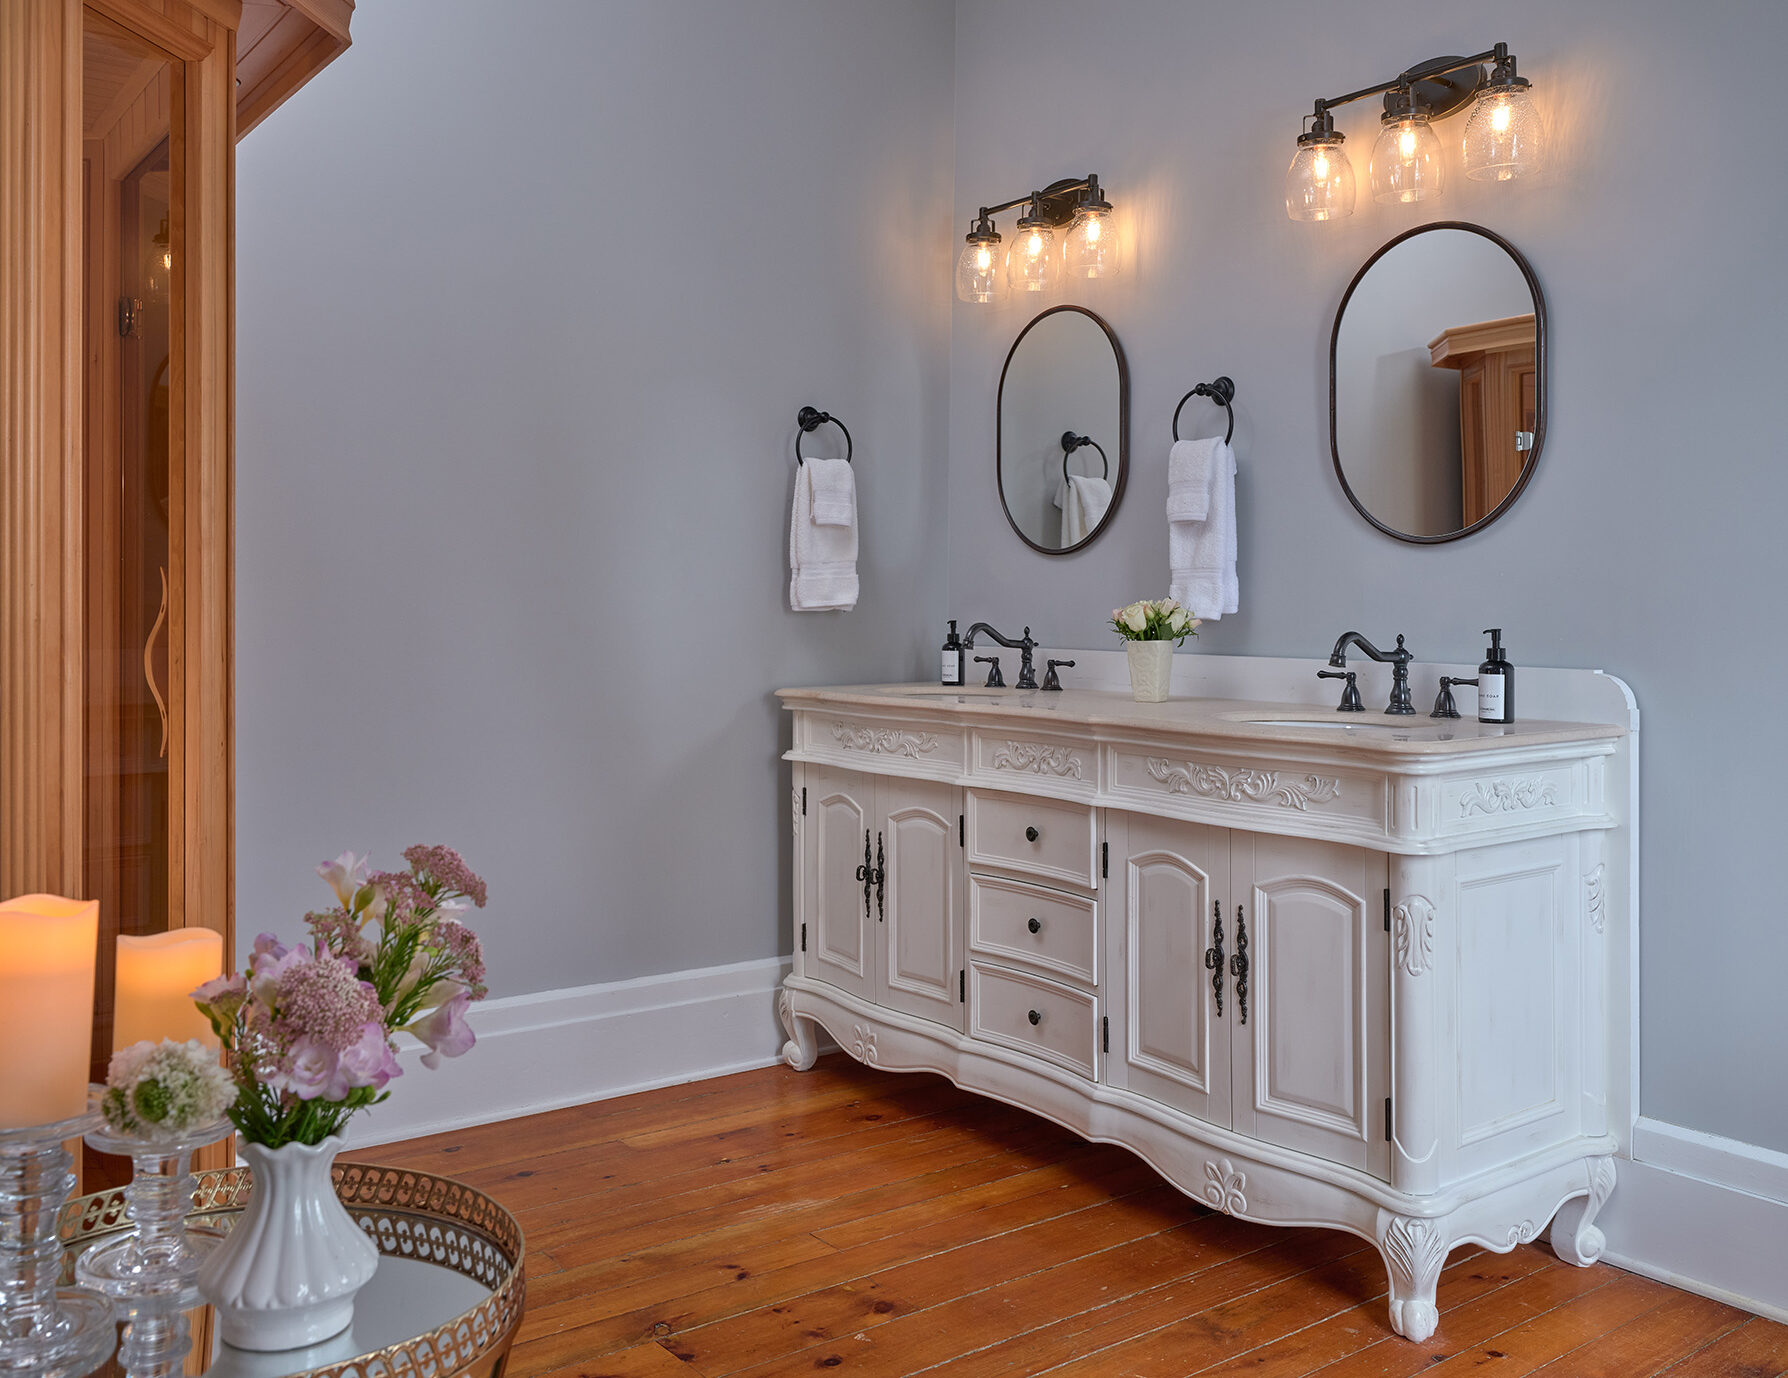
{"x":1499,"y":55}
{"x":1052,"y":203}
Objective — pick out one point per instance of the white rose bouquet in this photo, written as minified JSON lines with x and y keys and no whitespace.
{"x":1154,"y":619}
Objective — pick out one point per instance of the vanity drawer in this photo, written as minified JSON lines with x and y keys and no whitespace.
{"x":1033,"y":1015}
{"x":1046,"y":839}
{"x":1042,"y":928}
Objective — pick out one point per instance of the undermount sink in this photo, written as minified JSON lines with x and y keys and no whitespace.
{"x":1329,"y":724}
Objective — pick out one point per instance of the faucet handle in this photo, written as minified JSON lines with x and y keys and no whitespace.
{"x":1050,"y":679}
{"x":1350,"y":696}
{"x":1444,"y":707}
{"x":995,"y":680}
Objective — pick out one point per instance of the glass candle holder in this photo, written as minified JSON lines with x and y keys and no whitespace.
{"x":45,"y":1331}
{"x":156,"y":1265}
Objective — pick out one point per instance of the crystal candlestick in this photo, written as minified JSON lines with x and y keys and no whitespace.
{"x":45,"y":1331}
{"x":156,"y":1264}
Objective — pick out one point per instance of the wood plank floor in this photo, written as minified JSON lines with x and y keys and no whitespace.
{"x":857,"y":1222}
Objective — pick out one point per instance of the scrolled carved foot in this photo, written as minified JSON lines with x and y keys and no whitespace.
{"x":1575,"y":1236}
{"x":802,"y":1049}
{"x":1414,"y":1251}
{"x":1414,"y":1320}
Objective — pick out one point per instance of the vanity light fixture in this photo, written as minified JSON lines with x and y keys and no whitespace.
{"x":1503,"y":138}
{"x":1038,"y":256}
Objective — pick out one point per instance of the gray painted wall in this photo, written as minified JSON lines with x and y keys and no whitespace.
{"x":1650,"y":536}
{"x":526,"y":307}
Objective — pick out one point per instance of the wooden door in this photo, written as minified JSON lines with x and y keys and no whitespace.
{"x":1171,"y":1020}
{"x":1311,"y":1037}
{"x":919,"y":905}
{"x":841,"y":823}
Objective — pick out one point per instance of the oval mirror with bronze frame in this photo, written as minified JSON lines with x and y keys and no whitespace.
{"x":1437,"y":382}
{"x":1062,"y":438}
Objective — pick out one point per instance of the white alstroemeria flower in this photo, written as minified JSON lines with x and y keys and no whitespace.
{"x":346,"y":874}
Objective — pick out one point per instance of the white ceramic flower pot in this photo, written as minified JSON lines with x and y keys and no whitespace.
{"x":1151,"y":669}
{"x":287,"y":1274}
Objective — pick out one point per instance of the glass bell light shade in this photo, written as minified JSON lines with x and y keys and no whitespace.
{"x":1090,"y":250}
{"x":1406,"y":160}
{"x":158,"y":263}
{"x":1504,"y":138}
{"x":1319,"y":183}
{"x":1032,"y":263}
{"x":980,"y":270}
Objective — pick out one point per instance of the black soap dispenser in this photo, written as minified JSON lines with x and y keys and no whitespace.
{"x":953,"y":662}
{"x":1496,"y":682}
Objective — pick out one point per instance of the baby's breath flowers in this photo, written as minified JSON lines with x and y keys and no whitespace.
{"x":161,"y":1091}
{"x":309,"y":1030}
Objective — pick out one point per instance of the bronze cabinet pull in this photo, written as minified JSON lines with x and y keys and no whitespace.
{"x":1238,"y":964}
{"x":1213,"y":955}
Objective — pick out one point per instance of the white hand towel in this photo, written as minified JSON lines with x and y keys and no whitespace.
{"x":822,"y":559}
{"x":1202,"y":554}
{"x":1190,"y":466}
{"x":834,"y":492}
{"x":1083,"y":502}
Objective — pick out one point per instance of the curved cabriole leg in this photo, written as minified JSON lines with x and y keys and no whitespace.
{"x":1413,"y":1251}
{"x":802,"y":1049}
{"x":1575,"y":1237}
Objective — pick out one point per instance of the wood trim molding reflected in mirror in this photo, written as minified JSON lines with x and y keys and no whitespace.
{"x":1467,"y":527}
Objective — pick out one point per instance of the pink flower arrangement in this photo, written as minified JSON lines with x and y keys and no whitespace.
{"x":309,"y":1030}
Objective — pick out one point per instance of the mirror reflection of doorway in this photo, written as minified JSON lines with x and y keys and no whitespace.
{"x":129,"y":90}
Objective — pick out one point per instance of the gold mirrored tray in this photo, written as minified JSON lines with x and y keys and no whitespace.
{"x":446,"y":1301}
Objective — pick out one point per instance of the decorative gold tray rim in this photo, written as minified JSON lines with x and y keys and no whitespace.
{"x":386,"y":1202}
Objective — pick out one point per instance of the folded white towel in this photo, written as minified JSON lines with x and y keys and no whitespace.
{"x":834,"y":492}
{"x":1083,"y":501}
{"x":1202,"y":554}
{"x":822,"y":559}
{"x":1190,"y":465}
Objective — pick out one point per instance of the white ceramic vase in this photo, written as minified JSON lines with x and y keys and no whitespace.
{"x":1151,"y":669}
{"x":287,"y":1274}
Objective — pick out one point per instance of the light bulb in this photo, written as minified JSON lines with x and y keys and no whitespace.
{"x":1032,"y":265}
{"x":1090,"y":251}
{"x":1319,"y":182}
{"x":1406,"y":159}
{"x":1504,"y":137}
{"x":978,"y":275}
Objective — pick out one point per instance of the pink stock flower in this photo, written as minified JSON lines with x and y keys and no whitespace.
{"x":445,"y":1030}
{"x":307,"y":1070}
{"x":370,"y":1062}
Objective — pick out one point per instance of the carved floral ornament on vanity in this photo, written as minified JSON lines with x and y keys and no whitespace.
{"x":1408,"y":871}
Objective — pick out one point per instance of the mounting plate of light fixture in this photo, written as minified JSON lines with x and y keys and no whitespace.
{"x":1033,"y":263}
{"x":1503,"y":138}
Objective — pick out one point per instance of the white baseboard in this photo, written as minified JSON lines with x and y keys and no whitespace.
{"x":1706,"y":1214}
{"x":589,"y":1043}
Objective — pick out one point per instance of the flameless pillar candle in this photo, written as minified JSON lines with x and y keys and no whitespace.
{"x":47,"y":950}
{"x":157,"y":975}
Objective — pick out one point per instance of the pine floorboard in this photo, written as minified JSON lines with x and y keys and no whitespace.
{"x":851,"y":1221}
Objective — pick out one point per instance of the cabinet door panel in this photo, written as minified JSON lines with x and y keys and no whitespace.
{"x":1312,"y":1062}
{"x":922,"y":905}
{"x":1170,"y":1043}
{"x":841,"y":812}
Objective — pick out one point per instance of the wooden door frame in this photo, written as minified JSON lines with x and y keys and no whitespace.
{"x":42,"y":624}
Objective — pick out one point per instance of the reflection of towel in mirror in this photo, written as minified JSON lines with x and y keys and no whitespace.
{"x":1201,"y":554}
{"x":1083,"y":502}
{"x":822,"y":558}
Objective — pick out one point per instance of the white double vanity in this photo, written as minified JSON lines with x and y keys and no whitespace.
{"x":1317,"y":969}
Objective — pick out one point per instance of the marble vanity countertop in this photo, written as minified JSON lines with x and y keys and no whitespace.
{"x":1235,"y":720}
